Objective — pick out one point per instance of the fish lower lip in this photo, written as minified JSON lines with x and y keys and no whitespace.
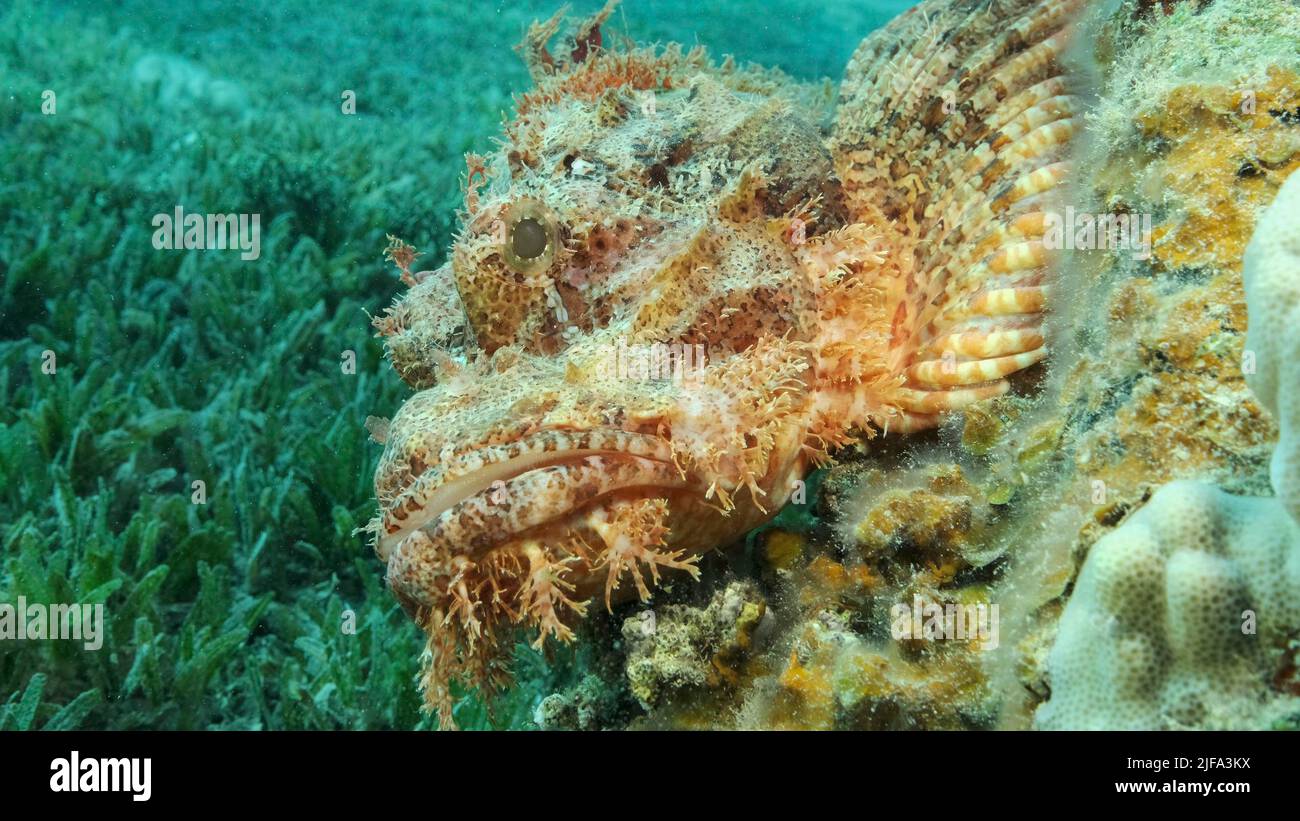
{"x":528,"y":501}
{"x":503,"y":486}
{"x":470,"y":473}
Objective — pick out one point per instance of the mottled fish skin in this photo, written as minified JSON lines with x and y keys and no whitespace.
{"x":675,"y":290}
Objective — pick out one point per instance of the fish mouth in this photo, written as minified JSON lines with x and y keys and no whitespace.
{"x":493,"y":495}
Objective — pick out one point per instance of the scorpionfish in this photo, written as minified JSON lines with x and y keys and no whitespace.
{"x":678,"y":286}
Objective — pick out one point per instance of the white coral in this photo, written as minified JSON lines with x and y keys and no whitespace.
{"x":1182,"y":617}
{"x":1178,"y":617}
{"x":1272,"y":274}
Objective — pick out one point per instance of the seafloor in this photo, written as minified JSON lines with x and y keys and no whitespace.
{"x":181,"y":368}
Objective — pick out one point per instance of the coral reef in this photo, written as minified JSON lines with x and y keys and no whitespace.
{"x":1186,"y":616}
{"x":912,"y":540}
{"x":941,"y":525}
{"x":678,"y":647}
{"x":1159,"y":391}
{"x":590,"y":705}
{"x":1272,"y":284}
{"x":1149,"y":388}
{"x":1181,"y":619}
{"x":834,"y":679}
{"x":831,"y":651}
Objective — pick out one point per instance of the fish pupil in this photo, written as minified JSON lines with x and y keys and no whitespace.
{"x":528,"y":240}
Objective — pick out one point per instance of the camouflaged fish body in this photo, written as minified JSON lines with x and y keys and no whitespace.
{"x":675,"y":291}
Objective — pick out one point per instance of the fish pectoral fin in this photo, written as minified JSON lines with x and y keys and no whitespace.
{"x":953,"y":146}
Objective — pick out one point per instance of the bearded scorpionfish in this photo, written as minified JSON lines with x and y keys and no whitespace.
{"x":679,"y":286}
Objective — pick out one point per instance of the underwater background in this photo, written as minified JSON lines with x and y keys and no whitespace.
{"x":184,"y":434}
{"x":173,"y":367}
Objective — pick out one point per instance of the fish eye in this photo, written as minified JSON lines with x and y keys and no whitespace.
{"x":531,"y":237}
{"x":528,"y":239}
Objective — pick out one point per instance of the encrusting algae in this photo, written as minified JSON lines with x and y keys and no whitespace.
{"x":889,"y":273}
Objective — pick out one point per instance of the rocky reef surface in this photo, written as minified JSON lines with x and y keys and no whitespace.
{"x":1138,"y":454}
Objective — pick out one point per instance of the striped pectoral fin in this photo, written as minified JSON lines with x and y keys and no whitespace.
{"x":972,"y":362}
{"x":952,"y":373}
{"x":931,"y":403}
{"x":977,"y":341}
{"x":965,"y":188}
